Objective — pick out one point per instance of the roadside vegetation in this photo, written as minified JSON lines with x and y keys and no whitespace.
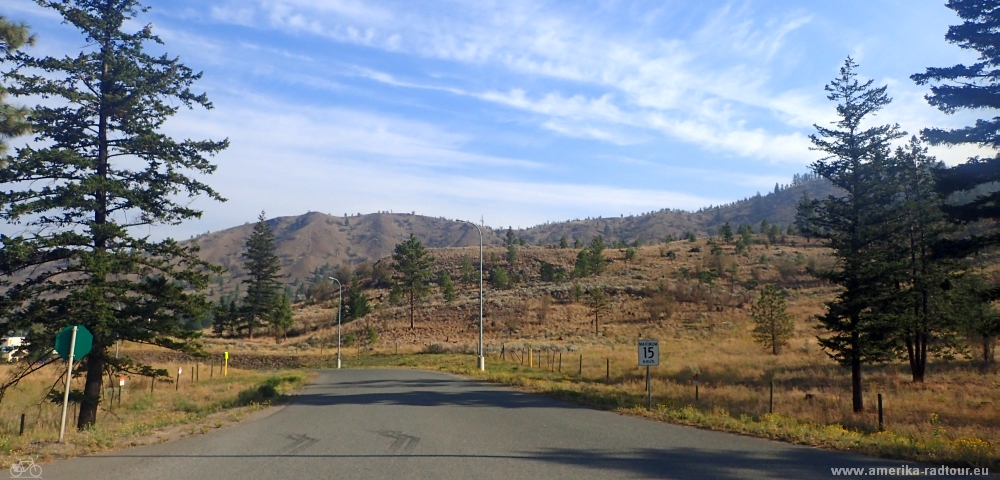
{"x":140,"y":417}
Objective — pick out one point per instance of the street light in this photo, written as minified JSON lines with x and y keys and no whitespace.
{"x":340,"y":307}
{"x":482,"y":360}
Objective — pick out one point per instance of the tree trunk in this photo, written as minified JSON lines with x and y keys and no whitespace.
{"x":92,"y":388}
{"x":411,"y":309}
{"x":857,"y":397}
{"x":596,"y":332}
{"x":988,"y":352}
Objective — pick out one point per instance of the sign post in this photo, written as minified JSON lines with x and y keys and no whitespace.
{"x":649,"y":356}
{"x":225,"y":366}
{"x":72,"y":343}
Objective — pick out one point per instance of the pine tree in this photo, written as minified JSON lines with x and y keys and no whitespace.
{"x":100,"y":169}
{"x":855,"y":225}
{"x":13,"y":120}
{"x":773,"y":324}
{"x":805,"y":215}
{"x":922,"y":276}
{"x":509,"y":239}
{"x":598,"y":301}
{"x":356,"y":304}
{"x":726,"y":232}
{"x":467,"y":273}
{"x":447,"y":286}
{"x":563,"y":242}
{"x":281,"y":318}
{"x":969,"y":87}
{"x":262,"y":267}
{"x":412,"y":263}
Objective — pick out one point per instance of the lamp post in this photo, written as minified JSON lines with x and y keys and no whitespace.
{"x":340,"y":308}
{"x":482,"y":359}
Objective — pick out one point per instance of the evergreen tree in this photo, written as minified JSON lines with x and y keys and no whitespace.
{"x":412,"y":263}
{"x":773,"y":233}
{"x":855,"y":225}
{"x":467,"y":273}
{"x":99,"y":169}
{"x":499,"y":278}
{"x":962,"y":87}
{"x":922,"y":277}
{"x":577,"y":243}
{"x":280,"y":318}
{"x":726,"y":232}
{"x":262,"y":267}
{"x":509,"y":240}
{"x":221,"y":323}
{"x":773,"y":324}
{"x":356,"y":304}
{"x":971,"y":307}
{"x":13,"y":120}
{"x":598,"y":301}
{"x":563,"y":242}
{"x":511,"y":255}
{"x":447,"y":286}
{"x":805,"y":215}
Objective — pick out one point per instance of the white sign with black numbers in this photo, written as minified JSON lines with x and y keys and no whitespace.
{"x":649,"y":353}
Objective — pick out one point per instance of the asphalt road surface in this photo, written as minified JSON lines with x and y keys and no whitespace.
{"x":389,"y":424}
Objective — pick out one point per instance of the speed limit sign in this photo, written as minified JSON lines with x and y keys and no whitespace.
{"x":649,"y":353}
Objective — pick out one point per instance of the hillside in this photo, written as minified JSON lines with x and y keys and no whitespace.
{"x":777,"y":207}
{"x":314,"y":240}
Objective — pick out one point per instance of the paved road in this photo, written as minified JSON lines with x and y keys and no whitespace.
{"x":385,"y":424}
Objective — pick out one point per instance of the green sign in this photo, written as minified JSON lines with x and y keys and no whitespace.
{"x":84,"y":341}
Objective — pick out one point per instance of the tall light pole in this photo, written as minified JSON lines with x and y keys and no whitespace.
{"x":482,"y":359}
{"x":340,"y":308}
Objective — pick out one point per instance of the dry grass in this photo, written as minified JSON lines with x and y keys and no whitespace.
{"x":140,"y":417}
{"x":707,"y":333}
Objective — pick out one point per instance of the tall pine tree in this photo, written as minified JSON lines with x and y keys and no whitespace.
{"x":262,"y":267}
{"x":99,"y":170}
{"x":855,"y":225}
{"x":921,"y":277}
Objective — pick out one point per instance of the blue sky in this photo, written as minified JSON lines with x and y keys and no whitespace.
{"x":522,"y":112}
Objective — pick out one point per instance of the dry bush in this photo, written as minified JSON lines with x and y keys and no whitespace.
{"x":660,"y":307}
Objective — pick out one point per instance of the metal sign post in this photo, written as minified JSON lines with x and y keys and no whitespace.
{"x":69,"y":376}
{"x":649,"y":356}
{"x":225,"y":366}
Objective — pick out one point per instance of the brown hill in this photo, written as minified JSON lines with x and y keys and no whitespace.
{"x":307,"y":242}
{"x":315,"y":240}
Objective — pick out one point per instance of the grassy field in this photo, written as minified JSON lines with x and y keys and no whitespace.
{"x":139,"y":417}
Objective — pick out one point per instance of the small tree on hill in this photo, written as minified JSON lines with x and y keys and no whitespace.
{"x":356,"y":303}
{"x":447,"y":286}
{"x":726,"y":232}
{"x":774,"y":325}
{"x":597,"y":301}
{"x":412,"y":263}
{"x":281,"y":318}
{"x":467,"y":272}
{"x":563,"y":242}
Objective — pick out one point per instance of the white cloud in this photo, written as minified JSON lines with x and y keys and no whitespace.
{"x":641,"y":75}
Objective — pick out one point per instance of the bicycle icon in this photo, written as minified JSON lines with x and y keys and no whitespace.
{"x":28,"y":467}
